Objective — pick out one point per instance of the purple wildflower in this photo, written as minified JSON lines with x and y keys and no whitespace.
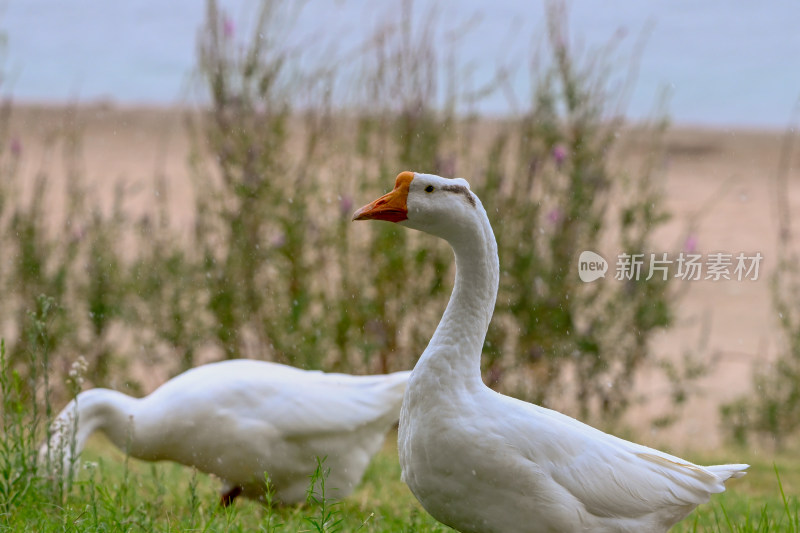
{"x":691,"y":243}
{"x":16,"y":147}
{"x":227,"y":27}
{"x":78,"y":233}
{"x":279,"y":241}
{"x":559,"y":154}
{"x":345,"y":205}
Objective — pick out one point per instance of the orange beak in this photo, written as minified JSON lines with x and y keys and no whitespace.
{"x":390,"y":206}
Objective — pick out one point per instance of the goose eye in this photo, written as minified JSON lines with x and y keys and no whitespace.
{"x":429,"y":188}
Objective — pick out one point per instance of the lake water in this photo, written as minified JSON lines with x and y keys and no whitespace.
{"x":722,"y":62}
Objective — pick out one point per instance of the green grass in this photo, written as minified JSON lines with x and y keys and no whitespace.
{"x":113,"y":493}
{"x":763,"y":500}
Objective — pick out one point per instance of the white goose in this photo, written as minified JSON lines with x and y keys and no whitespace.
{"x":241,"y":419}
{"x":479,"y":461}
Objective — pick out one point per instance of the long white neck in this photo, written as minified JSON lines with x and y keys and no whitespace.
{"x":92,"y":410}
{"x":455,"y":349}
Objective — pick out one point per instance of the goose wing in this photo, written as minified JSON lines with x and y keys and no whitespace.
{"x":293,"y":402}
{"x":611,"y":476}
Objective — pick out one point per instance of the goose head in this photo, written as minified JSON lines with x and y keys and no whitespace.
{"x":433,"y":204}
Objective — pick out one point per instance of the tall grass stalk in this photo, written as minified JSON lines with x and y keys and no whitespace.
{"x":792,"y":516}
{"x":327,"y":519}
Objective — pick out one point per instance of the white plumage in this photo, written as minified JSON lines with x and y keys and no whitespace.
{"x":479,"y":461}
{"x":239,"y":419}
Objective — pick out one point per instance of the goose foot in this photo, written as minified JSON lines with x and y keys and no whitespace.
{"x":228,"y":496}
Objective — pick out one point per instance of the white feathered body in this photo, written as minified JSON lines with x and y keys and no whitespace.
{"x":241,"y":419}
{"x":482,"y":462}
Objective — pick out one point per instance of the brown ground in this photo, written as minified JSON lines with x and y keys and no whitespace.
{"x":724,"y":180}
{"x":727,"y":179}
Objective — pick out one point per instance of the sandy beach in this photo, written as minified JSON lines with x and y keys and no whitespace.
{"x":719,"y":184}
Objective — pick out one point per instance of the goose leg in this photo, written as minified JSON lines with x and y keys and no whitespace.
{"x":229,"y":495}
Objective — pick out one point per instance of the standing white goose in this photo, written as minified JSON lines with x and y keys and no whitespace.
{"x":479,"y":461}
{"x":241,"y":419}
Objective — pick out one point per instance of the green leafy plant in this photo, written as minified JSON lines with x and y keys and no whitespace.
{"x":273,"y":269}
{"x":327,"y":519}
{"x":772,"y":410}
{"x":553,"y":191}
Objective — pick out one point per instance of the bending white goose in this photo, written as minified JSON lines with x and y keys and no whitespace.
{"x":479,"y":461}
{"x":241,"y":419}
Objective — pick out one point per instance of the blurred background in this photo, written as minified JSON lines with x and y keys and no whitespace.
{"x":720,"y":63}
{"x":178,"y":179}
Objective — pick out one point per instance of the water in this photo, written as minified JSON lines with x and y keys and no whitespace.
{"x":723,"y":62}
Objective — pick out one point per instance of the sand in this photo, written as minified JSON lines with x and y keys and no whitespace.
{"x":726,"y":181}
{"x":719,"y":184}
